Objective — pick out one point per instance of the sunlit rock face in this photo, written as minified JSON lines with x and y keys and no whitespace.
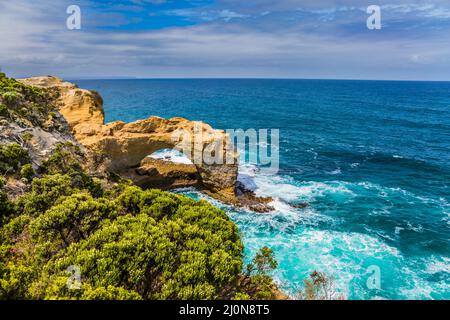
{"x":81,"y":108}
{"x":126,"y":145}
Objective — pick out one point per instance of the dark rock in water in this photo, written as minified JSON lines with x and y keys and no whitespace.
{"x":241,"y":189}
{"x":248,"y":199}
{"x":300,"y":205}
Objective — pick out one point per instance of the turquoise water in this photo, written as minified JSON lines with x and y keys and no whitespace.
{"x":371,"y":158}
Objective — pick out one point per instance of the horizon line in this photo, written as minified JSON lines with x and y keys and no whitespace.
{"x":245,"y":78}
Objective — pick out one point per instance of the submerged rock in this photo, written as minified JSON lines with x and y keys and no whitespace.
{"x":248,"y":199}
{"x":300,"y":205}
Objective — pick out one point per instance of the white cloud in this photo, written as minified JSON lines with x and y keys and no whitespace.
{"x":207,"y":15}
{"x":424,"y":9}
{"x":227,"y":15}
{"x":35,"y":41}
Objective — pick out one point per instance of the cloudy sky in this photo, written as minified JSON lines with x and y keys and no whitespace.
{"x":227,"y":38}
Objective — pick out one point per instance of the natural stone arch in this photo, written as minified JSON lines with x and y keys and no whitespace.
{"x":126,"y":144}
{"x":168,"y":170}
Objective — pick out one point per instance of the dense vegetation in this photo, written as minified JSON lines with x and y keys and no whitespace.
{"x":125,"y":242}
{"x":25,"y":104}
{"x":12,"y":158}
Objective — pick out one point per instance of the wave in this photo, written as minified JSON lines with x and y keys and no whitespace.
{"x":285,"y":187}
{"x":309,"y":239}
{"x":345,"y":256}
{"x":427,"y":278}
{"x":436,"y":265}
{"x":171,"y":155}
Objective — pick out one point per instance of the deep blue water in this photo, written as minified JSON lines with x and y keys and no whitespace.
{"x":372,"y":159}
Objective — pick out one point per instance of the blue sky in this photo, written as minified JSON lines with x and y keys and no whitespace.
{"x":227,"y":38}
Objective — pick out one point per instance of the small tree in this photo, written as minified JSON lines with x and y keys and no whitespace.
{"x":320,"y":287}
{"x":259,"y":284}
{"x":264,"y":262}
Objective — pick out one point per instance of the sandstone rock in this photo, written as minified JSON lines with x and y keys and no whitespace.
{"x":248,"y":199}
{"x":78,"y":106}
{"x":162,"y":174}
{"x":127,"y":144}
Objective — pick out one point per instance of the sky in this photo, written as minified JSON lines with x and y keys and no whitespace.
{"x":326,"y":39}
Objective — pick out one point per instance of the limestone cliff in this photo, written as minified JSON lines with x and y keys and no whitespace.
{"x":81,"y":108}
{"x":29,"y":118}
{"x":125,"y":145}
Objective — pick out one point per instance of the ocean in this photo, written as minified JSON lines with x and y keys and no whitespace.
{"x":370,"y":158}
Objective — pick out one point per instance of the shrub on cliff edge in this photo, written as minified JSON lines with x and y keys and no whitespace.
{"x":12,"y":158}
{"x":136,"y":245}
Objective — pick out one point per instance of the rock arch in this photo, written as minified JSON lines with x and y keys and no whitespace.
{"x":125,"y":145}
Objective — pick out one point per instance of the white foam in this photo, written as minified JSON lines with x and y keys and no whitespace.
{"x":418,"y":228}
{"x":300,"y":248}
{"x":338,"y":254}
{"x":438,"y":265}
{"x":171,"y":155}
{"x":286,"y":189}
{"x":418,"y":287}
{"x":335,"y":172}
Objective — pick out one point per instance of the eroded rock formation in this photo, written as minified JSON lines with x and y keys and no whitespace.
{"x":126,"y":144}
{"x":165,"y":175}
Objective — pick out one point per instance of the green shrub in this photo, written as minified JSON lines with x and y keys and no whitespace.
{"x":137,"y":245}
{"x":3,"y":111}
{"x":241,"y":296}
{"x":6,"y":207}
{"x":12,"y":158}
{"x":72,"y":220}
{"x":26,"y":103}
{"x":27,"y":136}
{"x":259,"y":283}
{"x":263,"y":263}
{"x":65,"y":158}
{"x":45,"y":191}
{"x":27,"y":172}
{"x":12,"y":98}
